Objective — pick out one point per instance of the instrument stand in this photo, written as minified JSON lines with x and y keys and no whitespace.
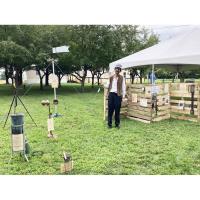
{"x":56,"y":114}
{"x":14,"y":102}
{"x":50,"y":123}
{"x":23,"y":151}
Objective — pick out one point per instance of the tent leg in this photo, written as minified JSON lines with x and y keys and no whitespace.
{"x":152,"y":73}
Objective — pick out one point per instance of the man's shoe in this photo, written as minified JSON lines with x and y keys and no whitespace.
{"x":117,"y":126}
{"x":109,"y":126}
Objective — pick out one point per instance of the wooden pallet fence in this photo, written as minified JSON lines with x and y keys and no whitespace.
{"x":184,"y":103}
{"x":174,"y":100}
{"x":142,"y":106}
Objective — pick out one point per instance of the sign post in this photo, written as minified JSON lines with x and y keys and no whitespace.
{"x":61,"y":49}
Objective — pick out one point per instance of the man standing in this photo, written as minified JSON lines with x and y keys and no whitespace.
{"x":116,"y":90}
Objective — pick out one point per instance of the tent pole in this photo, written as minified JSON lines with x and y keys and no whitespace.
{"x":152,"y":73}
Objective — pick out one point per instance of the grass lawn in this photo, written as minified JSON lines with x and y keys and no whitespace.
{"x":167,"y":147}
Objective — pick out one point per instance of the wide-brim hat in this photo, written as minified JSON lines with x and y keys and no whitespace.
{"x":118,"y":66}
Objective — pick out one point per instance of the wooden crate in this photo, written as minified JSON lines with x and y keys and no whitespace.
{"x":140,"y":102}
{"x":181,"y":101}
{"x":66,"y":167}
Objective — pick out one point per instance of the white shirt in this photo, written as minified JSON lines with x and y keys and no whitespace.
{"x":114,"y":86}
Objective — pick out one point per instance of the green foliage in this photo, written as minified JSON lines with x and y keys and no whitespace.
{"x":92,"y":47}
{"x":65,"y":63}
{"x":13,"y":54}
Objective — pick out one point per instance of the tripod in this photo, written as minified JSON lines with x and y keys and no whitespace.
{"x":14,"y":102}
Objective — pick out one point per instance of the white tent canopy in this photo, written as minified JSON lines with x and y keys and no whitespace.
{"x":182,"y":49}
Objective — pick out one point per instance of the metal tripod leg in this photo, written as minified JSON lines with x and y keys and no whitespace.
{"x":26,"y":157}
{"x":26,"y":110}
{"x":9,"y":110}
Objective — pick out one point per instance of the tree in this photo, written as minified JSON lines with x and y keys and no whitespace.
{"x":92,"y":47}
{"x":133,"y":73}
{"x":98,"y":50}
{"x":133,"y":39}
{"x":46,"y":37}
{"x":103,"y":51}
{"x":79,"y":46}
{"x":15,"y":57}
{"x":40,"y":65}
{"x":64,"y":66}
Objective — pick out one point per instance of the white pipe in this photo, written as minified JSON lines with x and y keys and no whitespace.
{"x":152,"y":73}
{"x":53,"y":67}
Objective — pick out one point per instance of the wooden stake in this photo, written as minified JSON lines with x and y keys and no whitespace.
{"x":198,"y":103}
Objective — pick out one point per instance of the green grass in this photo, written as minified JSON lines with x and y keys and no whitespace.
{"x":166,"y":147}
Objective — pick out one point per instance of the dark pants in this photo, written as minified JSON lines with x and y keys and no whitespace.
{"x":114,"y":104}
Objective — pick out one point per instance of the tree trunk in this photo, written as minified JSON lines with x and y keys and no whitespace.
{"x":132,"y":76}
{"x":82,"y":85}
{"x":47,"y":77}
{"x":12,"y":80}
{"x":140,"y":79}
{"x":99,"y":74}
{"x":98,"y":78}
{"x":59,"y":80}
{"x":41,"y":84}
{"x":132,"y":80}
{"x":93,"y":73}
{"x":6,"y":75}
{"x":92,"y":80}
{"x":20,"y":77}
{"x":133,"y":73}
{"x":141,"y":75}
{"x":41,"y":78}
{"x":83,"y":80}
{"x":182,"y":77}
{"x":17,"y":81}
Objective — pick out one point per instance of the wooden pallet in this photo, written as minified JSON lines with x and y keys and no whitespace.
{"x":138,"y":119}
{"x":173,"y":93}
{"x":181,"y":101}
{"x":138,"y":92}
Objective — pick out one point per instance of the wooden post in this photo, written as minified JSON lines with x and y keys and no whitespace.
{"x":152,"y":84}
{"x":104,"y":104}
{"x":170,"y":87}
{"x":198,"y":103}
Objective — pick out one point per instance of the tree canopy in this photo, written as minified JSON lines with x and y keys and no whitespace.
{"x":92,"y":47}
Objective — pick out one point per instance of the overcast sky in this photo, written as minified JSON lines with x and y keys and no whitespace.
{"x":168,"y":31}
